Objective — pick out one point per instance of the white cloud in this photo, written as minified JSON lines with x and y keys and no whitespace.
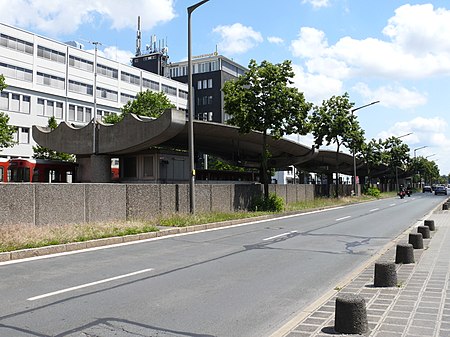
{"x":66,"y":16}
{"x":416,"y":47}
{"x":317,"y":3}
{"x":394,"y":96}
{"x":430,"y":132}
{"x":237,"y":38}
{"x":316,"y":88}
{"x":112,"y":53}
{"x":275,"y":40}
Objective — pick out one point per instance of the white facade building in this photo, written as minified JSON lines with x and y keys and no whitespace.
{"x":47,"y":78}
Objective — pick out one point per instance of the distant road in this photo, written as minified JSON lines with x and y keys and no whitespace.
{"x":246,"y":280}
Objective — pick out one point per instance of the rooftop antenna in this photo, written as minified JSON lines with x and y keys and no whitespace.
{"x":138,"y":38}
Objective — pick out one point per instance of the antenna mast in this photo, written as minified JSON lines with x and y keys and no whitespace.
{"x":138,"y":38}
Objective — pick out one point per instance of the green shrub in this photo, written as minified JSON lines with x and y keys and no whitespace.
{"x":373,"y":191}
{"x":273,"y":204}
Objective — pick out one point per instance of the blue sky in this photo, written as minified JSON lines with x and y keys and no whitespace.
{"x":397,"y":52}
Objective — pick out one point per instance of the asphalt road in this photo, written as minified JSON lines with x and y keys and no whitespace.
{"x":246,"y":281}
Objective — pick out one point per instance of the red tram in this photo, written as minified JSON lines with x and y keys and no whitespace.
{"x":4,"y":163}
{"x":41,"y":170}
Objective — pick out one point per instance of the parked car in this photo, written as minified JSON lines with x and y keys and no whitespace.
{"x":440,"y":190}
{"x":426,"y":189}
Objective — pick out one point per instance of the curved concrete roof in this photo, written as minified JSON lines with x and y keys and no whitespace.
{"x":137,"y":134}
{"x":134,"y":134}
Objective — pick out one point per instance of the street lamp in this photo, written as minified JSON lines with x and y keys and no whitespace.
{"x":94,"y":119}
{"x":354,"y":150}
{"x":191,"y":112}
{"x":415,"y":150}
{"x":396,"y":167}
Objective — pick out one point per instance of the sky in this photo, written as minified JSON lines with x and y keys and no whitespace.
{"x":392,"y":51}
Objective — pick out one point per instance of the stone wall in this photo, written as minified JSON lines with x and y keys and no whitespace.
{"x":53,"y":204}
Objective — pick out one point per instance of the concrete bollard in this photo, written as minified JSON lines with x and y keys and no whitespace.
{"x":445,"y":206}
{"x":425,"y":230}
{"x":404,"y":254}
{"x":430,"y":224}
{"x":385,"y":275}
{"x":416,"y":239}
{"x":350,"y":314}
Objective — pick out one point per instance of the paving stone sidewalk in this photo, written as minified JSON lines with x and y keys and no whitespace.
{"x":419,"y":306}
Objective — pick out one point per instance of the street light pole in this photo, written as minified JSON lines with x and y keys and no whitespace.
{"x":354,"y":150}
{"x":94,"y":119}
{"x":396,"y":167}
{"x":191,"y":112}
{"x":415,"y":150}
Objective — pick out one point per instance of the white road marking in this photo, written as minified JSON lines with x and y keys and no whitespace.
{"x":88,"y":285}
{"x":345,"y":217}
{"x":392,"y":205}
{"x":277,"y":236}
{"x":373,"y":210}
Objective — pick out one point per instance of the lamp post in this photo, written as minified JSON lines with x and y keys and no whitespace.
{"x":191,"y":112}
{"x":94,"y":118}
{"x":396,"y":167}
{"x":415,"y":150}
{"x":354,"y":150}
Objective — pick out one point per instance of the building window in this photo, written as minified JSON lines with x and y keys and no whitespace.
{"x":59,"y":110}
{"x":80,"y":63}
{"x":51,"y":54}
{"x":210,"y":83}
{"x":16,"y":44}
{"x":88,"y":114}
{"x":24,"y":135}
{"x":15,"y":102}
{"x":130,"y":78}
{"x":50,"y":109}
{"x":71,"y":112}
{"x":183,"y":94}
{"x":168,"y":90}
{"x":80,"y":88}
{"x":16,"y":72}
{"x":153,"y":85}
{"x":125,"y":98}
{"x":107,"y":71}
{"x":107,"y":94}
{"x":40,"y":107}
{"x":79,"y":114}
{"x":199,"y":85}
{"x":25,"y":104}
{"x":50,"y":80}
{"x":148,"y":167}
{"x":4,"y":100}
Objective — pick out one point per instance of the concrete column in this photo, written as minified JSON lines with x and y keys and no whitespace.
{"x":94,"y":169}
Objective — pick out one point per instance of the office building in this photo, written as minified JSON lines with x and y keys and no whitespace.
{"x":48,"y":78}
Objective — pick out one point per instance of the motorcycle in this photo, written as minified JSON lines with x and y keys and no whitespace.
{"x":401,"y":194}
{"x":408,"y":192}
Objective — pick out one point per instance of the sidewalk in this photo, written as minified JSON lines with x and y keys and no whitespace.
{"x":419,"y":306}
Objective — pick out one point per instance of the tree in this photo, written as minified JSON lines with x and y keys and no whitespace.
{"x":147,"y":103}
{"x":263,"y":100}
{"x":6,"y":131}
{"x":334,"y":123}
{"x":44,"y":153}
{"x":395,"y":154}
{"x":372,"y":155}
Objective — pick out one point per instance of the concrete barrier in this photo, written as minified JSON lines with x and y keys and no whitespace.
{"x":416,"y":239}
{"x":425,"y":231}
{"x":385,"y":275}
{"x":350,"y":314}
{"x":404,"y":254}
{"x":430,"y":224}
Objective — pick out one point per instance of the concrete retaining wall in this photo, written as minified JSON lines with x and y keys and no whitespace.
{"x":53,"y":204}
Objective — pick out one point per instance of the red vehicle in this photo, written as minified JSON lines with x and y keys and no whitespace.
{"x":4,"y":163}
{"x":41,"y":170}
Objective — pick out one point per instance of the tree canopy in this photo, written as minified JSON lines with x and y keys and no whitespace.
{"x":6,"y":131}
{"x":263,"y":99}
{"x":333,"y":122}
{"x":147,"y":103}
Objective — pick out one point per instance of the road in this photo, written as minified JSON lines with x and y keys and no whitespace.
{"x":246,"y":280}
